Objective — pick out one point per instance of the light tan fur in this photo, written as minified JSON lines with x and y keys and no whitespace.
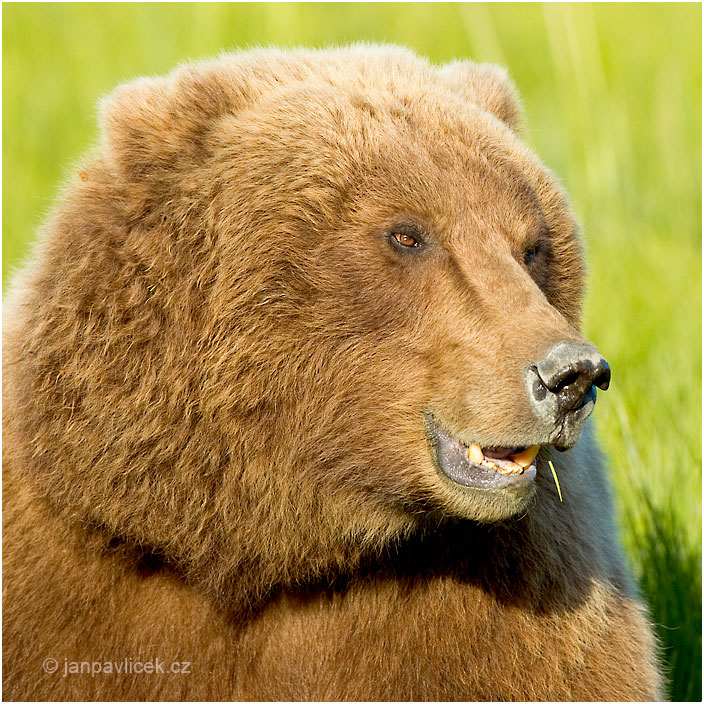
{"x":215,"y":374}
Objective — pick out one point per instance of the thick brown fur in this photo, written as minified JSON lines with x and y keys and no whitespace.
{"x":215,"y":373}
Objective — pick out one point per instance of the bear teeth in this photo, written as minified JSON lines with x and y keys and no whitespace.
{"x":525,"y":457}
{"x":475,"y":454}
{"x":515,"y":463}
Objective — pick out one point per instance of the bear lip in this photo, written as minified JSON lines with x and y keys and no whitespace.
{"x":495,"y":472}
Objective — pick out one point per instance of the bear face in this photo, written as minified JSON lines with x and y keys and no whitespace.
{"x":289,"y":296}
{"x":430,"y":246}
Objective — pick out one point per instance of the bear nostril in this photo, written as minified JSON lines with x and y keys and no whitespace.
{"x":563,"y":383}
{"x":603,"y":379}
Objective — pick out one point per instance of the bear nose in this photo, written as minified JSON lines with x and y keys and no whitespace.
{"x":570,"y":372}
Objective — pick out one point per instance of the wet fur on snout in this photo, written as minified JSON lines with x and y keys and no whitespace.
{"x":216,"y":370}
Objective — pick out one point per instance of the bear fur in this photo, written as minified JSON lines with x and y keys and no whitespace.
{"x":215,"y":370}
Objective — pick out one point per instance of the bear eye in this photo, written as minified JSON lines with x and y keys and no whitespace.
{"x":404,"y":239}
{"x":530,"y":254}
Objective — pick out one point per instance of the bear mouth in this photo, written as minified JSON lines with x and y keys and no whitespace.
{"x":477,"y":467}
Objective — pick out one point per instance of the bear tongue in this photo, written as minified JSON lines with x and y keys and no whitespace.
{"x":500,"y":453}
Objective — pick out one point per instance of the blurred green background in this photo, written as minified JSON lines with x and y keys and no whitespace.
{"x":612,"y":95}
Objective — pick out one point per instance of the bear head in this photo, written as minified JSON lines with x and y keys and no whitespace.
{"x":289,"y":297}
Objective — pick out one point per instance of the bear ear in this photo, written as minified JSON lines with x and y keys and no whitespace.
{"x":134,"y":130}
{"x":488,"y":86}
{"x":153,"y":126}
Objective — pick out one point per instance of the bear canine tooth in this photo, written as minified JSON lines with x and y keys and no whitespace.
{"x":524,"y":459}
{"x":475,"y":454}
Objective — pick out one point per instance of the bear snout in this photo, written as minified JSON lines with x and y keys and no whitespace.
{"x":562,"y":387}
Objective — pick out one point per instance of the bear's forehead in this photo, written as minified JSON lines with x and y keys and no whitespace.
{"x":388,"y":132}
{"x":425,"y":110}
{"x":392,"y":133}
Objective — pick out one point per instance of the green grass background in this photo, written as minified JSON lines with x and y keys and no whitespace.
{"x":612,"y":95}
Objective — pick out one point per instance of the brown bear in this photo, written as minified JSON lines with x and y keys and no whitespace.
{"x":284,"y":384}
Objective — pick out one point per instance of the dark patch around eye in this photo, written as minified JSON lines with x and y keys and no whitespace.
{"x":538,"y":259}
{"x":529,"y":255}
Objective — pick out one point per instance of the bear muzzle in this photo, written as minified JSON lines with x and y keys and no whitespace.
{"x":562,"y":388}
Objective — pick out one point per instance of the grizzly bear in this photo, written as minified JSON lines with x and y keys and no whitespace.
{"x":285,"y":386}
